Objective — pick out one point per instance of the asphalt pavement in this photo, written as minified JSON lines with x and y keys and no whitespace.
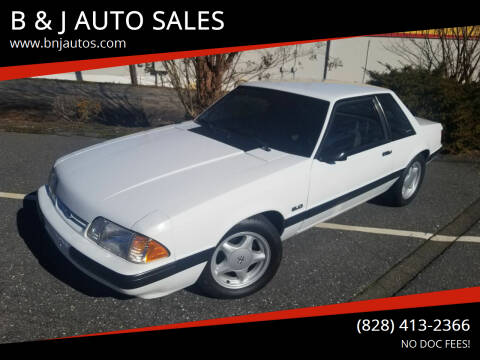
{"x":43,"y":296}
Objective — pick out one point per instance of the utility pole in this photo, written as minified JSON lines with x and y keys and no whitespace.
{"x":155,"y":73}
{"x":133,"y":74}
{"x":327,"y":58}
{"x":366,"y":62}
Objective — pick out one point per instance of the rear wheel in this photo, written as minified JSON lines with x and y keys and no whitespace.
{"x":244,"y":261}
{"x":407,"y":186}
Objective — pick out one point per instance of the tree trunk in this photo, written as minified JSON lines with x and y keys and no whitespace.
{"x":210,"y":71}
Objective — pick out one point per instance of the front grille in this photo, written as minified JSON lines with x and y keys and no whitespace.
{"x":71,"y":217}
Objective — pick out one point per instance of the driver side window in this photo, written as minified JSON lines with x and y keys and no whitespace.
{"x":355,"y":126}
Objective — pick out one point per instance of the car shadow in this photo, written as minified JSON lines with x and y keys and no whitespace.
{"x":31,"y":230}
{"x":380,"y":201}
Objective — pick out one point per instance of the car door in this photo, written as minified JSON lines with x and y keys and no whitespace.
{"x":352,"y":162}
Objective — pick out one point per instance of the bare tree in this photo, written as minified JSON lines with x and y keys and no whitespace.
{"x":454,"y":51}
{"x":202,"y":80}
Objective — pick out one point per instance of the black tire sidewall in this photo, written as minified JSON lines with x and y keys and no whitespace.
{"x":263,"y":227}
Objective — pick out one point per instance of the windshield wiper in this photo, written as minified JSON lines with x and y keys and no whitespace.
{"x":229,"y":131}
{"x":263,"y":144}
{"x":211,"y":125}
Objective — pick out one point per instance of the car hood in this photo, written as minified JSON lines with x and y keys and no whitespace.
{"x":166,"y":169}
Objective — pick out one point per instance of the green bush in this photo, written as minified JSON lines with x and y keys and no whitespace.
{"x":429,"y":95}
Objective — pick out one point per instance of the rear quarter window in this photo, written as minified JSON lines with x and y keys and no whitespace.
{"x":398,"y":122}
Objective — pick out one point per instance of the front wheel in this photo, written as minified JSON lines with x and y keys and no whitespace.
{"x":407,"y":186}
{"x":244,"y":261}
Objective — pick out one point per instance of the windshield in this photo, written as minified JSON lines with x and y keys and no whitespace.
{"x":272,"y":119}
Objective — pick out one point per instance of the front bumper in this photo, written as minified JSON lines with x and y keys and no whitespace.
{"x":146,"y":281}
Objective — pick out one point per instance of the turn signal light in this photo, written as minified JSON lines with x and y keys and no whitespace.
{"x":143,"y":249}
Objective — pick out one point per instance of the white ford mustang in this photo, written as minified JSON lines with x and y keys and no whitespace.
{"x":209,"y":201}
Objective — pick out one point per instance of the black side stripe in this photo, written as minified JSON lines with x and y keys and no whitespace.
{"x":330,"y":204}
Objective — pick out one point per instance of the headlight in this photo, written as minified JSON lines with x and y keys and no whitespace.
{"x":125,"y":243}
{"x":52,"y":185}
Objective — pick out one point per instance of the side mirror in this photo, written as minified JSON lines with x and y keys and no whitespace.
{"x":332,"y":157}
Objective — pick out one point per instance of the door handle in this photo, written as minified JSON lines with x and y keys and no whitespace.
{"x":385,"y":153}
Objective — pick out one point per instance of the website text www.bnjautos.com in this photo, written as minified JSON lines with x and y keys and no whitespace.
{"x":61,"y":44}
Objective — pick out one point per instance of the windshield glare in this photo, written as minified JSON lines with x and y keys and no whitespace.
{"x":274,"y":119}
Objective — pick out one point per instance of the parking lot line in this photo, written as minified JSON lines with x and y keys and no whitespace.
{"x":373,"y":230}
{"x":475,"y":239}
{"x":394,"y":232}
{"x":7,"y":195}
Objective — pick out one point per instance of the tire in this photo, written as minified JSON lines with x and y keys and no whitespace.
{"x":407,"y":186}
{"x":244,"y":261}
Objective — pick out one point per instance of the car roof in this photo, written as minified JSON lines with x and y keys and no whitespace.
{"x":325,"y":90}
